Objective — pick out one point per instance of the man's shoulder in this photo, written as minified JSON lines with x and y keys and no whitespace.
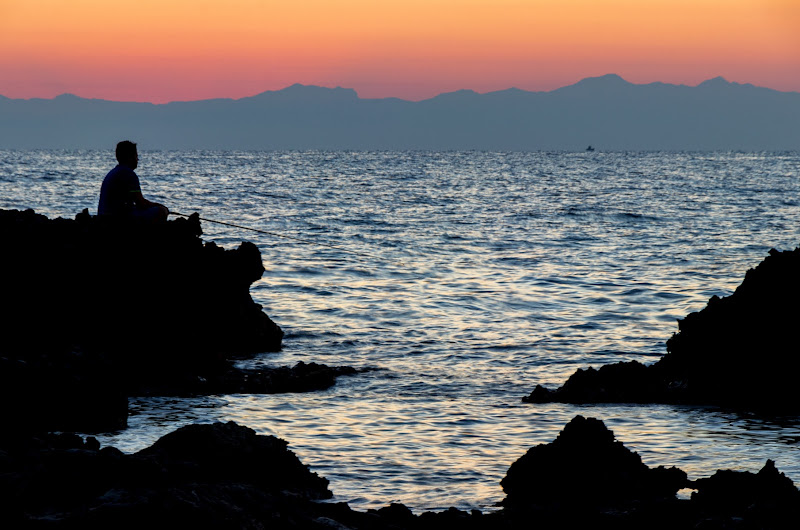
{"x":121,"y":172}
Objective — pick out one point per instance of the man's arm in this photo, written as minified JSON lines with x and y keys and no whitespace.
{"x":141,"y":202}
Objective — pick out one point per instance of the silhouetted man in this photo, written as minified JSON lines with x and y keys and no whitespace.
{"x":121,"y":195}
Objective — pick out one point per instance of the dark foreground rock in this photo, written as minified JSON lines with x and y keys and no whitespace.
{"x":586,"y":466}
{"x":96,"y":311}
{"x":226,"y":476}
{"x":739,"y":351}
{"x":206,"y":476}
{"x":586,"y":478}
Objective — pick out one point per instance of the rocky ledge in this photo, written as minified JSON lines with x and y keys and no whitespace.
{"x":227,"y":476}
{"x":739,"y":351}
{"x":97,"y":311}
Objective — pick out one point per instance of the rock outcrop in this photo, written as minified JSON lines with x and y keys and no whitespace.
{"x":586,"y":466}
{"x":201,"y":476}
{"x":129,"y":287}
{"x":226,"y":476}
{"x":768,"y":497}
{"x":740,"y":351}
{"x":586,"y":478}
{"x":98,"y":310}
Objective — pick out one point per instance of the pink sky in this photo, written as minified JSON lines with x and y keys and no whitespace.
{"x":164,"y":50}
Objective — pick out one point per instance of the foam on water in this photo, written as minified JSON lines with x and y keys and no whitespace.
{"x":481,"y":275}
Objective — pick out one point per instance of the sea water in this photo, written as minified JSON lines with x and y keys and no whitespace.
{"x":464,"y":279}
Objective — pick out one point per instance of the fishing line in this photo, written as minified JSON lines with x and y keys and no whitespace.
{"x":360,"y":254}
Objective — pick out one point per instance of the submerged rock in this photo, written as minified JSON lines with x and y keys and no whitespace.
{"x":302,"y":377}
{"x":740,"y":350}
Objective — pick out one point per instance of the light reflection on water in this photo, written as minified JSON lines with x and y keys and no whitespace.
{"x":444,"y":451}
{"x":482,"y":275}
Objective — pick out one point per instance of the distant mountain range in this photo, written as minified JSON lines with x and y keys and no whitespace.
{"x":606,"y":112}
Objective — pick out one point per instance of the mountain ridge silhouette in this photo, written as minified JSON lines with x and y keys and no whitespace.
{"x":607,"y":112}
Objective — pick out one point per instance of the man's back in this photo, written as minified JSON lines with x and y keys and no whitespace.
{"x":118,"y":192}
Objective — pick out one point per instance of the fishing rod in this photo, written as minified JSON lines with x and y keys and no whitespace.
{"x":360,"y":254}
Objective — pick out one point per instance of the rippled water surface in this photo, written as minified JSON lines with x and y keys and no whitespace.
{"x":466,"y":279}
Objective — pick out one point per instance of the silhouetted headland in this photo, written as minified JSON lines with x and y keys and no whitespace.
{"x":739,"y":351}
{"x":226,"y":476}
{"x":99,"y":310}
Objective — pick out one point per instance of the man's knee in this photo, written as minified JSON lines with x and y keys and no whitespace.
{"x":153,"y":214}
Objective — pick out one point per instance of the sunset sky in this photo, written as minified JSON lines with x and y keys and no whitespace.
{"x":170,"y":50}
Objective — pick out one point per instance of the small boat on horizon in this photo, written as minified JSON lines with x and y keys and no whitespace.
{"x":590,"y":148}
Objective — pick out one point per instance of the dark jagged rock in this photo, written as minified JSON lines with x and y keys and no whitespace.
{"x":586,"y":466}
{"x":227,"y":476}
{"x":768,"y":496}
{"x":150,"y":289}
{"x":740,"y":351}
{"x":204,"y":476}
{"x":70,"y":390}
{"x":613,"y":382}
{"x":585,"y":478}
{"x":226,"y":452}
{"x":97,"y":310}
{"x":397,"y":513}
{"x":209,"y":476}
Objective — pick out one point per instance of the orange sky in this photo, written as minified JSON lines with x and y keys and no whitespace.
{"x":167,"y":50}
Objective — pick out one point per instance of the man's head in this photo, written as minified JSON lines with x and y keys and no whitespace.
{"x":127,"y":155}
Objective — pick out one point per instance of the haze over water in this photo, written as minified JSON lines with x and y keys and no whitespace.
{"x":465,"y":279}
